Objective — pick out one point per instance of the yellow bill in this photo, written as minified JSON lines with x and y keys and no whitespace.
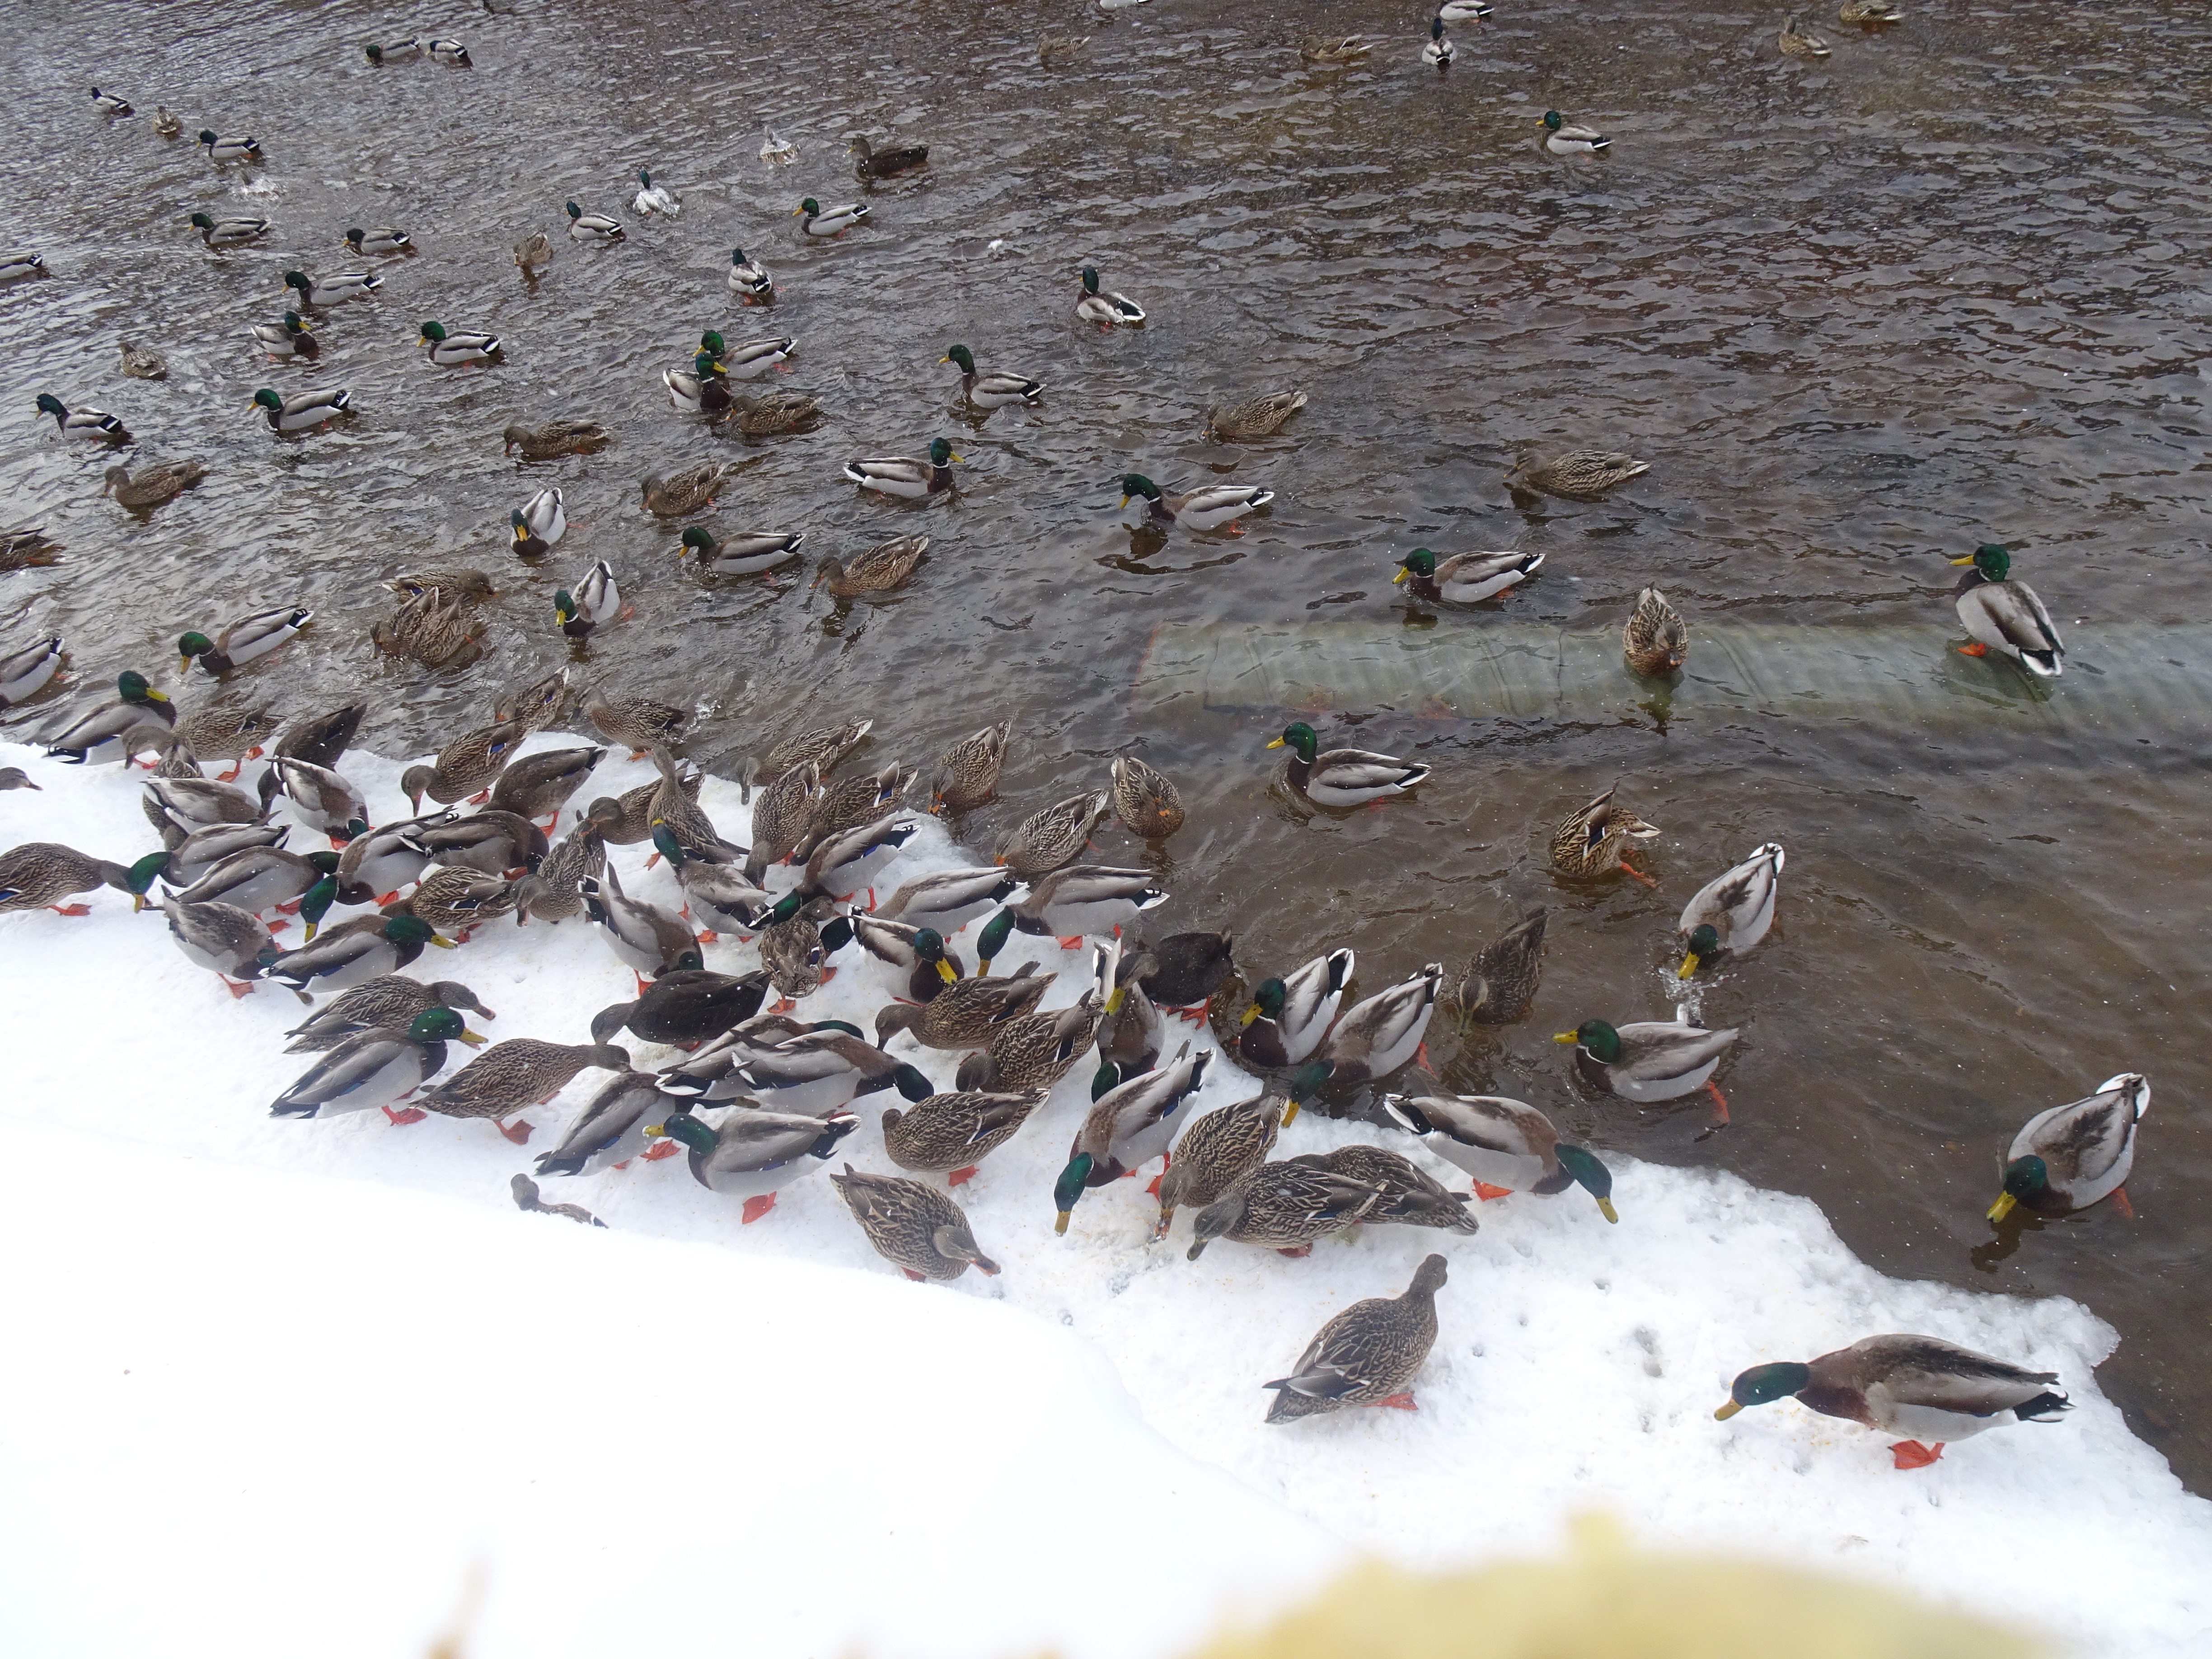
{"x":1562,"y":1037}
{"x":1274,"y":743}
{"x":2004,"y":1206}
{"x":1402,"y":574}
{"x":944,"y":972}
{"x":1689,"y":966}
{"x":1727,"y":1411}
{"x":1604,"y":1208}
{"x":474,"y":1039}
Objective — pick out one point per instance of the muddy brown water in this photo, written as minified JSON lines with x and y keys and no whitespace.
{"x":1948,"y":285}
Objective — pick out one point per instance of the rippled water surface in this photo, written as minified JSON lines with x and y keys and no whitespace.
{"x":1946,"y":286}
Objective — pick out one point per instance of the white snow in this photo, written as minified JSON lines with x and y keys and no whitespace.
{"x":684,"y":1434}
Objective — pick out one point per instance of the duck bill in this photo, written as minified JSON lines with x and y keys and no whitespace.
{"x":1290,"y":1114}
{"x":1274,"y":743}
{"x":944,"y":972}
{"x":1562,"y":1037}
{"x":137,"y":900}
{"x":441,"y":941}
{"x":962,"y":459}
{"x":1689,"y":966}
{"x":1727,"y":1411}
{"x":1059,"y":1224}
{"x":1402,"y":574}
{"x":1250,"y":1014}
{"x":2004,"y":1206}
{"x":1604,"y":1208}
{"x":1125,"y":500}
{"x":308,"y":937}
{"x":1969,"y":559}
{"x":475,"y":1039}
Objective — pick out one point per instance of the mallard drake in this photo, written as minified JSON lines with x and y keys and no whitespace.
{"x":1085,"y":898}
{"x":1056,"y":837}
{"x":1103,"y":308}
{"x":652,"y":199}
{"x":233,"y":945}
{"x":1411,"y":1197}
{"x":2071,"y":1156}
{"x":305,"y":409}
{"x":753,"y":1154}
{"x":26,"y":550}
{"x":1283,"y":1206}
{"x":1287,"y":1019}
{"x":929,"y":963}
{"x":1653,"y":638}
{"x":693,"y":489}
{"x":845,"y":863}
{"x":1217,"y":1151}
{"x":1335,"y":49}
{"x":1506,"y":1146}
{"x":1733,"y":911}
{"x":815,"y":220}
{"x":699,"y":390}
{"x":610,"y":1129}
{"x":138,"y":717}
{"x":640,"y":721}
{"x":205,"y":848}
{"x":321,"y":800}
{"x":883,"y":569}
{"x":1127,"y":1126}
{"x":772,"y":412}
{"x":1998,"y":613}
{"x":288,"y":337}
{"x":915,"y":1228}
{"x":568,"y":436}
{"x":512,"y":1075}
{"x":192,"y":802}
{"x":710,"y":1071}
{"x":1260,"y":416}
{"x":354,"y":953}
{"x":592,"y":227}
{"x":652,"y":941}
{"x":1343,"y":777}
{"x":142,"y":362}
{"x":159,"y":481}
{"x":749,"y":279}
{"x":248,"y":640}
{"x":538,"y":523}
{"x":110,"y":105}
{"x":1034,"y":1052}
{"x":911,"y":479}
{"x":1465,"y":578}
{"x":824,"y":1069}
{"x":1148,"y":804}
{"x":1464,"y":11}
{"x":1368,"y":1355}
{"x":1501,"y":979}
{"x":533,"y":705}
{"x":963,"y":1016}
{"x":492,"y":842}
{"x":850,"y":803}
{"x":1579,"y":474}
{"x":18,"y":264}
{"x":747,"y":553}
{"x":331,"y":290}
{"x":1870,"y":14}
{"x":968,"y":770}
{"x":84,"y":421}
{"x":374,"y":1067}
{"x":1058,"y":50}
{"x":221,"y":150}
{"x":1216,"y":506}
{"x":685,"y":1006}
{"x":379,"y":242}
{"x":1652,"y":1060}
{"x":993,"y":391}
{"x":26,"y":672}
{"x":882,"y":163}
{"x":1923,"y":1387}
{"x":1379,"y":1035}
{"x":465,"y":766}
{"x":952,"y":1134}
{"x":531,"y":252}
{"x":1566,"y":138}
{"x":394,"y":52}
{"x":824,"y":746}
{"x":592,"y":603}
{"x":1437,"y":53}
{"x":552,"y":892}
{"x":38,"y":874}
{"x":451,"y":53}
{"x":1800,"y":43}
{"x":948,"y":900}
{"x":538,"y":786}
{"x":1589,"y":841}
{"x":453,"y":348}
{"x":393,"y":1000}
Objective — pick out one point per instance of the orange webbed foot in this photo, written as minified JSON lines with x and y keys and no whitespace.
{"x":1977,"y":649}
{"x":480,"y":798}
{"x":710,"y":937}
{"x":1720,"y":1100}
{"x":783,"y":1005}
{"x":230,"y":776}
{"x":1485,"y":1192}
{"x":1911,"y":1455}
{"x":405,"y":1115}
{"x":758,"y":1206}
{"x":917,"y":1277}
{"x":1074,"y":943}
{"x":517,"y":1132}
{"x":236,"y":987}
{"x":2120,"y":1203}
{"x":1154,"y":1187}
{"x":1649,"y":881}
{"x":1303,"y":1250}
{"x":962,"y":1175}
{"x":658,"y":1150}
{"x":70,"y":909}
{"x":1403,"y":1402}
{"x":289,"y":907}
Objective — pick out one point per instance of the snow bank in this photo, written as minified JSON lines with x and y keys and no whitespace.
{"x":1578,"y":1367}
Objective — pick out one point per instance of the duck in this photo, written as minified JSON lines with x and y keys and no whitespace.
{"x":1501,"y":979}
{"x":453,"y":348}
{"x":205,"y":848}
{"x":845,"y":863}
{"x":1183,"y":970}
{"x":1376,"y":1036}
{"x":652,"y":199}
{"x":26,"y":550}
{"x":1056,"y":837}
{"x":531,"y":252}
{"x":1437,"y":53}
{"x":443,"y":581}
{"x":230,"y":231}
{"x":1130,"y":1033}
{"x":538,"y":523}
{"x":948,"y":900}
{"x":1216,"y":1153}
{"x":1411,"y":1197}
{"x":882,"y":163}
{"x":1104,"y":308}
{"x":1591,"y":840}
{"x":639,"y":721}
{"x":1465,"y":578}
{"x":26,"y":672}
{"x":322,"y":738}
{"x":699,"y":390}
{"x":1034,"y":1052}
{"x":645,"y":936}
{"x":513,"y":1075}
{"x":1796,"y":42}
{"x":610,"y":1129}
{"x":929,"y":963}
{"x":1343,"y":777}
{"x":376,"y":865}
{"x":1566,"y":138}
{"x":373,"y":1068}
{"x":153,"y":484}
{"x":492,"y":842}
{"x":38,"y":874}
{"x":394,"y":52}
{"x":233,"y":945}
{"x":1085,"y":898}
{"x":1215,"y":506}
{"x":1653,"y":638}
{"x":1287,"y":1017}
{"x":331,"y":290}
{"x":1733,"y":911}
{"x":538,"y":786}
{"x":952,"y":1134}
{"x":1651,"y":1060}
{"x":394,"y":1000}
{"x":1578,"y":474}
{"x":590,"y":227}
{"x":1933,"y":1391}
{"x":288,"y":337}
{"x":911,"y":479}
{"x":1506,"y":1146}
{"x":815,"y":220}
{"x":965,"y":1015}
{"x":321,"y":800}
{"x":1368,"y":1355}
{"x":917,"y":1230}
{"x":110,"y":105}
{"x":17,"y":264}
{"x":228,"y":732}
{"x":1335,"y":49}
{"x":570,"y":436}
{"x":747,"y":360}
{"x":685,"y":1006}
{"x":553,"y":892}
{"x":1870,"y":14}
{"x":305,"y":409}
{"x":191,"y":802}
{"x":248,"y":640}
{"x":465,"y":766}
{"x":230,"y":149}
{"x":1260,"y":416}
{"x":796,"y":943}
{"x":84,"y":421}
{"x":993,"y":391}
{"x":432,"y":627}
{"x":1999,"y":614}
{"x":675,"y":807}
{"x":850,"y":803}
{"x":774,"y":412}
{"x":780,"y":818}
{"x":750,"y":280}
{"x":968,"y":770}
{"x":1127,"y":1126}
{"x":138,"y":717}
{"x":710,"y":1071}
{"x":1283,"y":1206}
{"x":627,"y":819}
{"x":826,"y":1068}
{"x":451,"y":53}
{"x":777,"y":151}
{"x":823,"y":745}
{"x":142,"y":362}
{"x":1058,"y":50}
{"x":747,"y":553}
{"x":883,"y":569}
{"x":754,"y":1154}
{"x":692,"y":490}
{"x":1149,"y":805}
{"x":354,"y":953}
{"x":593,"y":602}
{"x":2071,"y":1156}
{"x":379,"y":242}
{"x":1464,"y":11}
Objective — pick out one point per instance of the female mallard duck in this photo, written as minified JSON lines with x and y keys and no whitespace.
{"x":221,"y":150}
{"x":1283,"y":1207}
{"x":394,"y":52}
{"x":568,"y":436}
{"x":538,"y":523}
{"x":747,"y":553}
{"x":1148,"y":804}
{"x":142,"y":363}
{"x":2071,"y":1156}
{"x":244,"y":640}
{"x":948,"y":900}
{"x":1501,"y":979}
{"x":753,"y":1154}
{"x":917,"y":1229}
{"x":354,"y":953}
{"x":538,"y":786}
{"x":1465,"y":578}
{"x":627,"y":819}
{"x":1217,"y":507}
{"x":466,"y":766}
{"x":228,"y":732}
{"x":749,"y":279}
{"x":693,"y":489}
{"x":1368,"y":1355}
{"x":610,"y":1129}
{"x":824,"y":746}
{"x":645,"y":936}
{"x":1733,"y":911}
{"x":1335,"y":49}
{"x":230,"y":231}
{"x":699,"y":390}
{"x":454,"y":347}
{"x":1437,"y":54}
{"x":1377,"y":1036}
{"x":533,"y":705}
{"x":552,"y":893}
{"x":331,"y":290}
{"x":993,"y":391}
{"x":1259,"y":417}
{"x":432,"y":626}
{"x":321,"y":800}
{"x":451,"y":53}
{"x":652,"y":199}
{"x":375,"y":1067}
{"x":1411,"y":1196}
{"x":895,"y":476}
{"x":1653,"y":638}
{"x":594,"y":601}
{"x":675,"y":807}
{"x":780,"y":818}
{"x":25,"y":673}
{"x":382,"y":241}
{"x":531,"y":252}
{"x":38,"y":874}
{"x":1287,"y":1018}
{"x":83,"y":422}
{"x":28,"y":549}
{"x":288,"y":337}
{"x":1800,"y":43}
{"x":1047,"y":841}
{"x":1998,"y":613}
{"x":1870,"y":14}
{"x":162,"y":481}
{"x":795,"y":945}
{"x":1589,"y":841}
{"x":592,"y":227}
{"x":1216,"y":1153}
{"x":109,"y":105}
{"x":882,"y":569}
{"x":1566,"y":138}
{"x":1058,"y":50}
{"x":394,"y":1000}
{"x":1651,"y":1061}
{"x":875,"y":164}
{"x":512,"y":1075}
{"x":950,"y":1134}
{"x":304,"y":410}
{"x":1506,"y":1146}
{"x":1103,"y":308}
{"x":167,"y":125}
{"x":850,"y":803}
{"x":1579,"y":474}
{"x":773,"y":412}
{"x":968,"y":770}
{"x":1933,"y":1391}
{"x":685,"y":1006}
{"x":641,"y":722}
{"x":815,"y":220}
{"x":1085,"y":898}
{"x":138,"y":718}
{"x":1127,"y":1126}
{"x":1033,"y":1053}
{"x":233,"y":945}
{"x":1343,"y":777}
{"x":965,"y":1015}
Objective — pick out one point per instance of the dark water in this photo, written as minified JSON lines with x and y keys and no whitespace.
{"x":1946,"y":286}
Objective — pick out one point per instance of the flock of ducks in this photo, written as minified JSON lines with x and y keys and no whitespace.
{"x":803,"y":888}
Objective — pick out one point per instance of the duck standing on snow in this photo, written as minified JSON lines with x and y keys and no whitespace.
{"x":1506,"y":1146}
{"x":1127,"y":1127}
{"x":2071,"y":1156}
{"x":354,"y":953}
{"x":1733,"y":911}
{"x":1999,"y":614}
{"x":1651,"y":1061}
{"x":1343,"y":777}
{"x":1214,"y":507}
{"x":374,"y":1067}
{"x":511,"y":1076}
{"x":754,"y":1154}
{"x":1368,"y":1355}
{"x":39,"y":874}
{"x":915,"y":1228}
{"x":138,"y":718}
{"x":1377,"y":1035}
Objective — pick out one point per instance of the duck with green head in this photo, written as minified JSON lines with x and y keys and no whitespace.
{"x":1106,"y":309}
{"x":903,"y":477}
{"x":754,"y":1154}
{"x":1215,"y":506}
{"x":304,"y":409}
{"x":248,"y":640}
{"x":288,"y":337}
{"x":700,"y":390}
{"x":1343,"y":777}
{"x":1651,"y":1061}
{"x":1127,"y":1126}
{"x":746,"y":553}
{"x":1733,"y":911}
{"x":457,"y":347}
{"x":356,"y":952}
{"x":83,"y":422}
{"x":1506,"y":1146}
{"x":229,"y":231}
{"x":373,"y":1068}
{"x":995,"y":390}
{"x":1464,"y":578}
{"x":38,"y":874}
{"x":2074,"y":1156}
{"x":818,"y":220}
{"x":1566,"y":138}
{"x":1287,"y":1017}
{"x":590,"y":227}
{"x":138,"y":718}
{"x":2005,"y":615}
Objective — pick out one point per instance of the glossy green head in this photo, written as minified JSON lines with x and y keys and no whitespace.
{"x":940,"y":452}
{"x":1594,"y":1034}
{"x":411,"y":930}
{"x":664,"y":844}
{"x":961,"y":355}
{"x":1554,"y":120}
{"x":697,"y":537}
{"x":267,"y":398}
{"x":1993,"y":560}
{"x":993,"y":939}
{"x":911,"y":1083}
{"x":684,"y":1127}
{"x":929,"y":944}
{"x":573,"y":211}
{"x":2027,"y":1178}
{"x":1763,"y":1383}
{"x":140,"y":877}
{"x":437,"y":1025}
{"x":1418,"y":563}
{"x":712,"y":342}
{"x":1136,"y":483}
{"x":1266,"y":1001}
{"x":375,"y":54}
{"x":688,"y":961}
{"x":1304,"y":741}
{"x":1069,"y":1187}
{"x":1594,"y":1176}
{"x":206,"y":138}
{"x":433,"y":332}
{"x":297,"y":279}
{"x":293,"y":325}
{"x":315,"y":903}
{"x":1107,"y":1077}
{"x":1309,"y":1078}
{"x":49,"y":404}
{"x":736,"y":256}
{"x":131,"y":686}
{"x":1702,"y":944}
{"x":1089,"y":279}
{"x":564,"y":607}
{"x":810,"y":207}
{"x":786,"y":906}
{"x":707,"y":365}
{"x":201,"y":221}
{"x":354,"y":233}
{"x":193,"y":645}
{"x":645,"y":178}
